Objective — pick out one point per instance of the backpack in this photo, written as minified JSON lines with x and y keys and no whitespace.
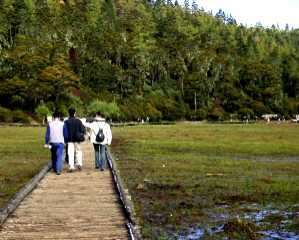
{"x":100,"y":135}
{"x":80,"y":136}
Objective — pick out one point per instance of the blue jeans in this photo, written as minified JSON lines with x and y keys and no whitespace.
{"x":56,"y":156}
{"x":100,"y":155}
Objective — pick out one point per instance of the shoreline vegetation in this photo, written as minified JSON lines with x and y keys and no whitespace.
{"x":164,"y":122}
{"x":211,"y":180}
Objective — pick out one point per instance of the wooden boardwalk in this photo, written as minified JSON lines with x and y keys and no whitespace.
{"x":78,"y":205}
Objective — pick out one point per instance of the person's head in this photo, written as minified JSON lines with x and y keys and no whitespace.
{"x":72,"y":112}
{"x":99,"y":114}
{"x":56,"y":115}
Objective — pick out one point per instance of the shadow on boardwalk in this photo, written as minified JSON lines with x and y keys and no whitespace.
{"x":78,"y":205}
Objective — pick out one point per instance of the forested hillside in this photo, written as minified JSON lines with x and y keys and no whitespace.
{"x":148,"y":58}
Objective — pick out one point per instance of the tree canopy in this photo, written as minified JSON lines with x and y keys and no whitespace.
{"x":150,"y":58}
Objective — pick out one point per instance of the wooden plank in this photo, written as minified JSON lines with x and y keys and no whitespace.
{"x":78,"y":205}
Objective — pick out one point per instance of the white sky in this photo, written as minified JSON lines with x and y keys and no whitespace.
{"x":249,"y":12}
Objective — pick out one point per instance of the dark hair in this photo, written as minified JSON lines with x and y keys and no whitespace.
{"x":72,"y":112}
{"x":98,"y":113}
{"x":56,"y":115}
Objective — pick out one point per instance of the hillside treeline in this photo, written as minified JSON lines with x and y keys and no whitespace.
{"x":148,"y":58}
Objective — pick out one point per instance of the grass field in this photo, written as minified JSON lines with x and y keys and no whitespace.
{"x":209,"y":181}
{"x":21,"y":156}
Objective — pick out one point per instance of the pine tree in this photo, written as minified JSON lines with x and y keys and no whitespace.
{"x":194,"y":6}
{"x":230,"y":20}
{"x":169,"y":2}
{"x":221,"y":15}
{"x":159,"y":2}
{"x":186,"y":4}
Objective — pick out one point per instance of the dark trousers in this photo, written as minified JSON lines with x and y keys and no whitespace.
{"x":56,"y":156}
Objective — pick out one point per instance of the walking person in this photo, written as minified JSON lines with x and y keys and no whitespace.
{"x":54,"y":138}
{"x":75,"y":135}
{"x":98,"y":123}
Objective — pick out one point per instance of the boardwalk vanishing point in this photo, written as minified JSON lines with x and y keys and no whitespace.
{"x":78,"y":205}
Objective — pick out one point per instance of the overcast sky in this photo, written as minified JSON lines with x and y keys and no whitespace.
{"x":249,"y":12}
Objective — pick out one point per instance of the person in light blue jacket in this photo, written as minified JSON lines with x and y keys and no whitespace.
{"x":55,"y":135}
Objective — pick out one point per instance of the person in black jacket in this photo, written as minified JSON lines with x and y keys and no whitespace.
{"x":75,"y":135}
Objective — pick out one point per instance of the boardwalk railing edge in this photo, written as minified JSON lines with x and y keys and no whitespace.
{"x":127,"y":205}
{"x":15,"y":201}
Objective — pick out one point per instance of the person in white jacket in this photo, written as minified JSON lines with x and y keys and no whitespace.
{"x":99,"y":147}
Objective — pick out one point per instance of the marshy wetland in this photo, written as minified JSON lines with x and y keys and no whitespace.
{"x":212,"y":181}
{"x":189,"y":180}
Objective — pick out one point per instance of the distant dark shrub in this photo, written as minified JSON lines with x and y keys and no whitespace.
{"x":131,"y":111}
{"x":291,"y":106}
{"x":216,"y":114}
{"x":246,"y":113}
{"x":5,"y":115}
{"x":199,"y":114}
{"x":259,"y":108}
{"x":151,"y":112}
{"x":20,"y":117}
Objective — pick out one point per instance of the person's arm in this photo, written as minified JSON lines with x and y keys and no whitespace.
{"x":81,"y":127}
{"x":109,"y":134}
{"x":47,"y":136}
{"x":87,"y":125}
{"x":84,"y":129}
{"x":65,"y":133}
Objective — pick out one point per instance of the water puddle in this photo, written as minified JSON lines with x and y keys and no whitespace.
{"x":272,"y":235}
{"x":197,"y":234}
{"x":194,"y":234}
{"x":272,"y":224}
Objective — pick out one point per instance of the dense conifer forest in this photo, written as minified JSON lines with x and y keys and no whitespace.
{"x":139,"y":58}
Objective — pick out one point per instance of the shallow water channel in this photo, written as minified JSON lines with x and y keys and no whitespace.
{"x":271,"y":223}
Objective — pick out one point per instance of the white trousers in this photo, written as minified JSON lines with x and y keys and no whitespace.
{"x":74,"y":152}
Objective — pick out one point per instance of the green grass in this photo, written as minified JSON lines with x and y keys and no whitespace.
{"x":179,"y":175}
{"x":21,"y":156}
